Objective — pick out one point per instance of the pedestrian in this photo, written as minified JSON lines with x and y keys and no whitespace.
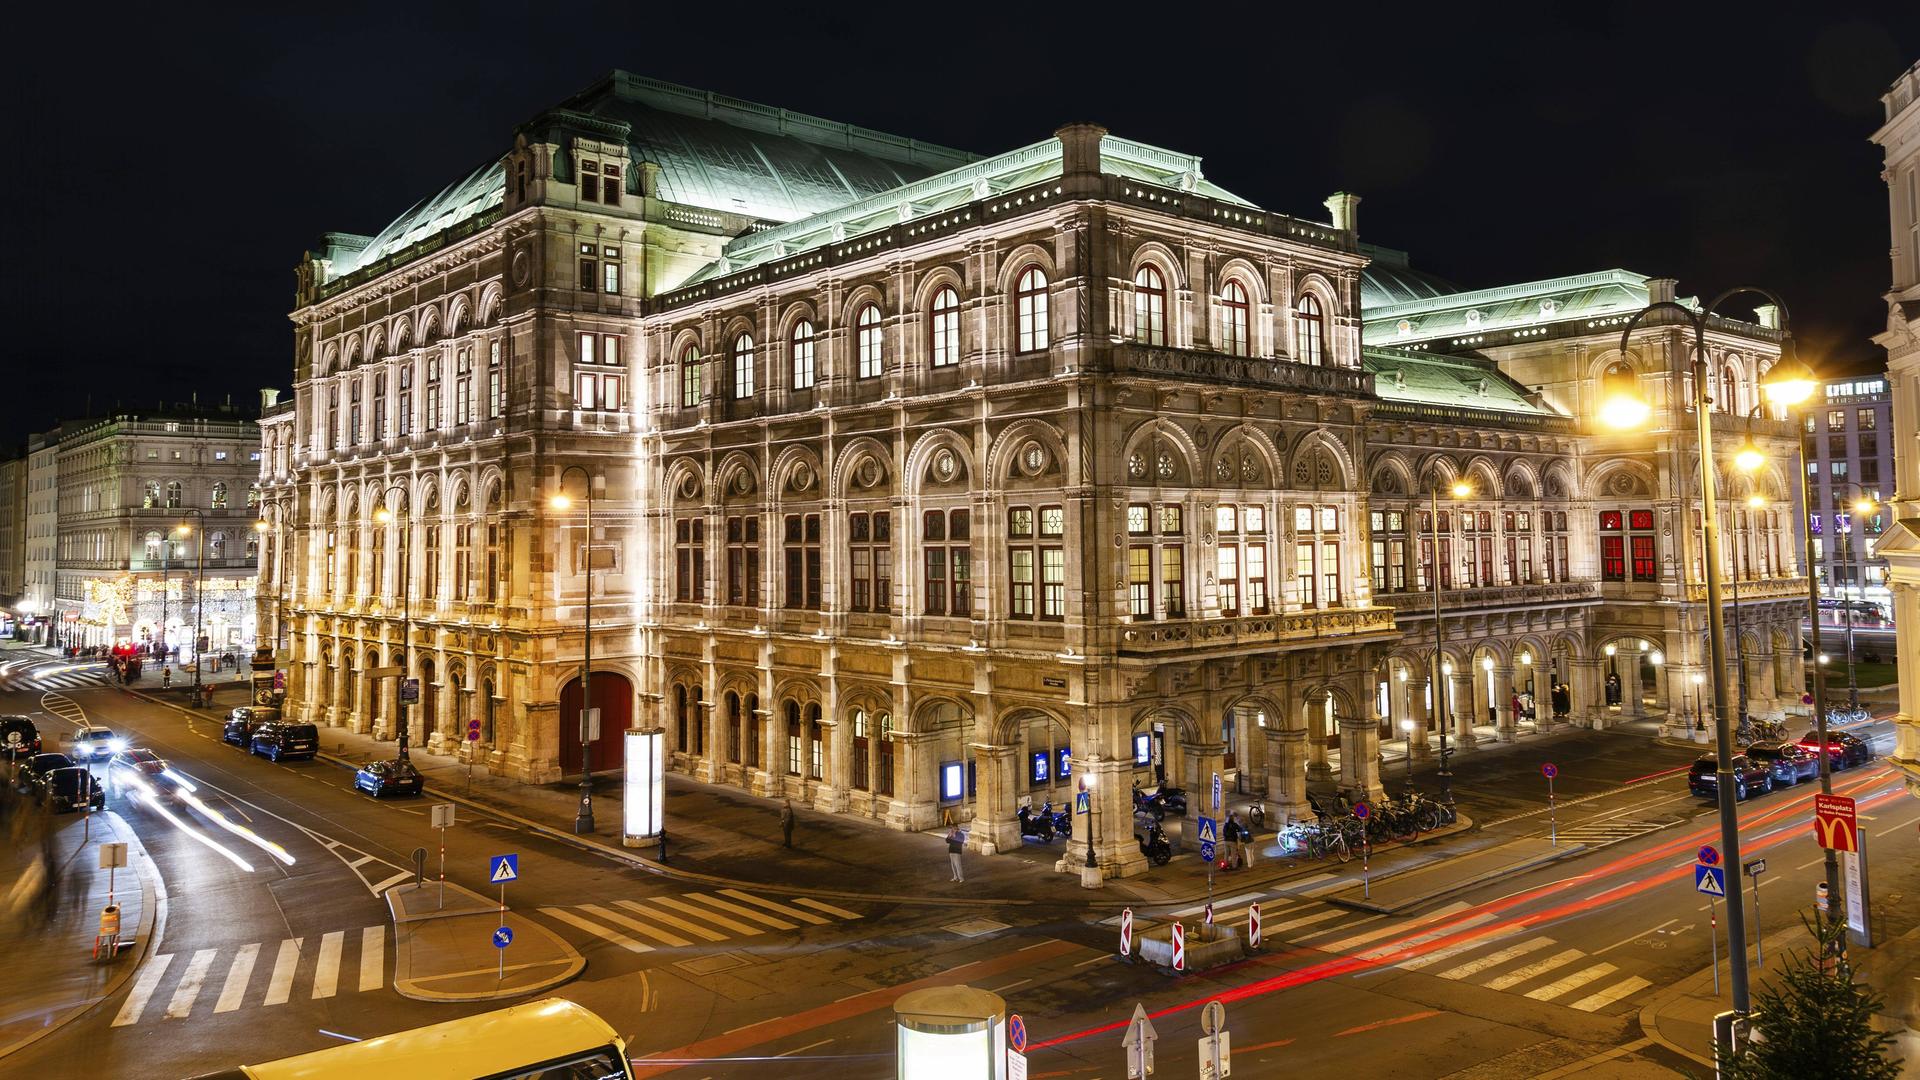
{"x":1237,"y":835}
{"x":166,"y":678}
{"x":786,"y":824}
{"x":956,"y":843}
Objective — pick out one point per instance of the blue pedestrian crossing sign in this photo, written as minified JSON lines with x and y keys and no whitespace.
{"x":1209,"y":831}
{"x":502,"y":937}
{"x":503,"y":868}
{"x":1711,"y":880}
{"x":1083,"y":803}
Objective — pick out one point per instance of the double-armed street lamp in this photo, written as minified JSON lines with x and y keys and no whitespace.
{"x":560,"y":500}
{"x":383,"y":515}
{"x":1439,"y":696}
{"x":199,"y":582}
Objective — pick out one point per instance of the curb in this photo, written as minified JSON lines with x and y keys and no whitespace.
{"x":404,"y":982}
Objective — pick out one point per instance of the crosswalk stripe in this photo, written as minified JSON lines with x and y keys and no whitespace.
{"x":702,"y":913}
{"x":373,"y":957}
{"x":795,"y":913}
{"x":745,"y":913}
{"x":143,"y":988}
{"x":1611,"y":994}
{"x":326,"y":974}
{"x":285,"y":963}
{"x":190,"y":982}
{"x":674,"y":921}
{"x":235,"y":988}
{"x":636,"y":925}
{"x":1474,"y":967}
{"x":1305,"y":920}
{"x":1571,"y":983}
{"x":1217,"y":905}
{"x":828,"y":908}
{"x":595,"y":929}
{"x":1361,"y":939}
{"x":1450,"y":951}
{"x":1328,"y":931}
{"x":1534,"y":970}
{"x":1381,"y":951}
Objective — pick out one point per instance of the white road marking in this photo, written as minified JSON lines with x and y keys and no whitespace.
{"x":803,"y":1049}
{"x":1595,"y":1001}
{"x":1305,"y":920}
{"x":674,"y":921}
{"x":1636,"y":937}
{"x":702,"y":913}
{"x":595,"y":929}
{"x":373,"y":957}
{"x":1451,"y":951}
{"x":285,"y":963}
{"x":745,"y":913}
{"x":235,"y":988}
{"x":1327,"y":931}
{"x":636,"y":926}
{"x":1223,"y":902}
{"x":190,"y":982}
{"x":790,"y":912}
{"x":1571,"y":983}
{"x":1361,"y":939}
{"x":143,"y":988}
{"x":828,"y":908}
{"x":1535,"y":970}
{"x":326,"y":974}
{"x":1474,"y":967}
{"x":1383,"y":951}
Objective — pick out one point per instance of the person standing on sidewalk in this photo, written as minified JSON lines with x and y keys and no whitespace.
{"x":786,"y":824}
{"x":166,"y":678}
{"x":956,"y":843}
{"x":1237,"y":836}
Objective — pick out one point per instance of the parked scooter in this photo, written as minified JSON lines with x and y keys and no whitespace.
{"x":1061,"y":819}
{"x":1037,"y":826}
{"x":1162,"y":800}
{"x":1158,"y":851}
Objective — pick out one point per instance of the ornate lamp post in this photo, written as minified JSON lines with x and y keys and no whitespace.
{"x":1439,"y":695}
{"x":199,"y":579}
{"x":383,"y":515}
{"x":583,"y":817}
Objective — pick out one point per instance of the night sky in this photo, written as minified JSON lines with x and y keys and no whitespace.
{"x":166,"y":167}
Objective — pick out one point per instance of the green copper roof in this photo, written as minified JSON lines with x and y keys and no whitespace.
{"x":1430,"y":379}
{"x":1390,"y":279}
{"x":1464,"y":314}
{"x":955,"y":187}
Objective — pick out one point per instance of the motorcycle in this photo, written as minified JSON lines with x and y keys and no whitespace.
{"x":1160,"y":802}
{"x":1062,"y":820}
{"x":1155,"y":846}
{"x":1035,"y":825}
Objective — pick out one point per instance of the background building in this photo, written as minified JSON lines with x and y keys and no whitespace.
{"x":42,"y":532}
{"x":931,"y":484}
{"x":1899,"y":137}
{"x":1849,"y":447}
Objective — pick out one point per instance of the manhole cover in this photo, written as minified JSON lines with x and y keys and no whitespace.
{"x":975,"y":927}
{"x":708,"y":965}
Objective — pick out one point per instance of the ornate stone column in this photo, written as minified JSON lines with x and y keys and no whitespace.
{"x":1416,"y":699}
{"x":1317,"y":767}
{"x":764,"y":780}
{"x":1360,"y":757}
{"x":830,"y":794}
{"x":1463,"y":707}
{"x":1287,"y":774}
{"x":1205,"y":759}
{"x":1506,"y":725}
{"x":1588,"y":707}
{"x":995,"y":826}
{"x":704,"y":768}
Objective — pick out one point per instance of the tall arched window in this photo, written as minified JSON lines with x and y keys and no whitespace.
{"x":173,"y":494}
{"x":1729,"y":390}
{"x":943,"y":328}
{"x":1233,"y":318}
{"x":218,"y":500}
{"x":253,"y":496}
{"x":802,"y":345}
{"x":151,"y":499}
{"x":690,"y":378}
{"x":1030,"y":307}
{"x":1309,"y":331}
{"x":743,"y":366}
{"x":1149,"y":306}
{"x":153,"y":547}
{"x":867,"y":329}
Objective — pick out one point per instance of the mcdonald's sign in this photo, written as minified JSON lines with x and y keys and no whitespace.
{"x":1834,"y":823}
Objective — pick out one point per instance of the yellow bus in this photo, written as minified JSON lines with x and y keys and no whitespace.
{"x":550,"y":1039}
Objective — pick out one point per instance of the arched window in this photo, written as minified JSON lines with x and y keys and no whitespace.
{"x":217,"y":546}
{"x":173,"y":494}
{"x":743,"y":366}
{"x":690,"y":378}
{"x":1233,"y":318}
{"x":943,"y":328}
{"x":488,"y":713}
{"x":802,"y":345}
{"x":1149,"y":306}
{"x":151,"y":499}
{"x":153,"y":547}
{"x":1030,"y":306}
{"x":1309,"y":331}
{"x":218,"y":500}
{"x":1729,"y":390}
{"x":253,"y":496}
{"x":867,"y":329}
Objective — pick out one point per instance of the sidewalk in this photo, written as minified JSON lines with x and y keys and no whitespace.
{"x":51,"y":936}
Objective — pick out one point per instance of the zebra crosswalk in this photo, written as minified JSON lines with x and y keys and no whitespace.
{"x":1538,"y":968}
{"x":210,"y":982}
{"x":42,"y":674}
{"x":687,"y":920}
{"x":1612,"y":831}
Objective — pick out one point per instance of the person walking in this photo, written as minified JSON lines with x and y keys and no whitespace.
{"x":1237,"y":835}
{"x":166,"y":678}
{"x":956,"y":843}
{"x":786,"y":824}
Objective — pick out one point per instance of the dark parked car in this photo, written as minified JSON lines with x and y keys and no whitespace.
{"x":286,"y":741}
{"x":72,"y":789}
{"x":1847,"y":750}
{"x":1749,"y":777}
{"x":244,"y":721}
{"x":389,"y":775}
{"x":37,"y":768}
{"x":19,"y":738}
{"x":1791,"y":762}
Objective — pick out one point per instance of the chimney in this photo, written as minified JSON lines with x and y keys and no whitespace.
{"x":650,"y":179}
{"x":1769,"y":316}
{"x":1080,"y":149}
{"x":1345,"y":210}
{"x":269,"y":397}
{"x":1661,"y":289}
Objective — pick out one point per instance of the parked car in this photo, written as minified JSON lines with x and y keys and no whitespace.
{"x":1791,"y":762}
{"x":96,"y":742}
{"x":19,"y":737}
{"x":1749,"y":777}
{"x":38,"y":766}
{"x":72,"y":789}
{"x":1846,"y":750}
{"x":377,"y":778}
{"x":278,"y":741}
{"x":242,"y":722}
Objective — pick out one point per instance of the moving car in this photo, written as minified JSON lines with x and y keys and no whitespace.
{"x":72,"y":789}
{"x":137,"y":761}
{"x":38,"y":766}
{"x":96,"y":742}
{"x":278,"y":741}
{"x":1846,"y":750}
{"x":1791,"y":762}
{"x":1749,"y":776}
{"x":18,"y":737}
{"x":242,"y":722}
{"x":377,"y":778}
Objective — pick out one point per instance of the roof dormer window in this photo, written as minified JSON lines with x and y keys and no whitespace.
{"x":589,"y":181}
{"x":599,"y":181}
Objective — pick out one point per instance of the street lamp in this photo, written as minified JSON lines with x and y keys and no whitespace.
{"x":583,"y":817}
{"x":199,"y":580}
{"x":1620,"y":411}
{"x":1406,"y":726}
{"x":1439,"y":696}
{"x":1086,"y":785}
{"x":383,"y":515}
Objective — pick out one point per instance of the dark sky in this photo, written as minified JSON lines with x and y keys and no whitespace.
{"x":166,"y":167}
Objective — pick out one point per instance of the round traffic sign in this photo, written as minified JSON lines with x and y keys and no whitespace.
{"x":1213,"y":1018}
{"x":502,"y":936}
{"x":1549,"y":770}
{"x":473,"y":725}
{"x":1709,"y":855}
{"x":473,"y":734}
{"x":1806,"y":699}
{"x":1361,"y":810}
{"x":1017,"y":1033}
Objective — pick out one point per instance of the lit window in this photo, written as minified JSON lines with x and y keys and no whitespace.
{"x":743,"y":366}
{"x":802,"y":347}
{"x":1233,"y":318}
{"x":944,"y":328}
{"x":1309,"y":327}
{"x":1030,"y":306}
{"x":690,"y":378}
{"x":867,"y":326}
{"x":1149,"y":306}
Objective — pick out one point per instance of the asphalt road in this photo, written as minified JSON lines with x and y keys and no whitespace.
{"x":263,"y":956}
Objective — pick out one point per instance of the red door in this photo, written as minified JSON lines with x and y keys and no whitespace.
{"x":613,"y":696}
